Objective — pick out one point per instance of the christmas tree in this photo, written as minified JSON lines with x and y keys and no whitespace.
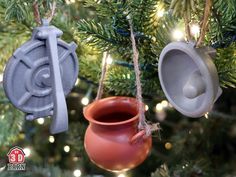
{"x":183,"y":147}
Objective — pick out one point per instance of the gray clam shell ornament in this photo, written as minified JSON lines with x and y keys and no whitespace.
{"x":189,"y":78}
{"x":40,"y":74}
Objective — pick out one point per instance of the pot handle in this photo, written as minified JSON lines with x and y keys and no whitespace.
{"x":137,"y":136}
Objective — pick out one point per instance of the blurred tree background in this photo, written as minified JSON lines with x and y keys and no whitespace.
{"x":204,"y":147}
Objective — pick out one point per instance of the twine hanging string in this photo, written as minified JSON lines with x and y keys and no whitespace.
{"x":143,"y":125}
{"x":36,"y":12}
{"x":204,"y":25}
{"x":52,"y":11}
{"x":103,"y":74}
{"x":187,"y":27}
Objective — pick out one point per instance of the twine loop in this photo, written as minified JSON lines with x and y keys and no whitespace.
{"x":204,"y":23}
{"x":50,"y":14}
{"x":142,"y":125}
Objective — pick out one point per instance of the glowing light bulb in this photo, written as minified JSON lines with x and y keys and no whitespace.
{"x":109,"y":60}
{"x":40,"y":121}
{"x":1,"y":77}
{"x":2,"y":168}
{"x":70,"y":1}
{"x":72,"y":112}
{"x":128,"y":76}
{"x":77,"y":81}
{"x":160,"y":13}
{"x":51,"y":139}
{"x":206,"y":115}
{"x":146,"y":107}
{"x":168,"y":146}
{"x":67,"y":148}
{"x":177,"y":34}
{"x":75,"y":159}
{"x":121,"y":175}
{"x":2,"y":116}
{"x":159,"y":107}
{"x":77,"y":173}
{"x":195,"y":29}
{"x":85,"y":101}
{"x":27,"y":152}
{"x":164,"y":104}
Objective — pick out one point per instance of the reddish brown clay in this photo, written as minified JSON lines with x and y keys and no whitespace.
{"x":111,"y":137}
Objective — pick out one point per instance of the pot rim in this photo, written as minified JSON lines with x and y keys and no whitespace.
{"x":90,"y":119}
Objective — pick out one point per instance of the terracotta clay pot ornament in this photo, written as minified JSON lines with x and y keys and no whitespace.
{"x":112,"y":140}
{"x":117,"y":138}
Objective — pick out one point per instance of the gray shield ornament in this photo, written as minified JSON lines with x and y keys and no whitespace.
{"x":40,"y":74}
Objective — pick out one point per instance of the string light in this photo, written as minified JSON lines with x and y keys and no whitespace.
{"x":77,"y":173}
{"x":40,"y":121}
{"x":159,"y":107}
{"x":146,"y":107}
{"x":85,"y":99}
{"x":27,"y":152}
{"x":70,"y":1}
{"x":109,"y":60}
{"x":168,"y":146}
{"x":75,"y":159}
{"x":128,"y":76}
{"x":164,"y":104}
{"x":177,"y":35}
{"x":89,"y":38}
{"x":195,"y":30}
{"x":2,"y":168}
{"x":1,"y":77}
{"x":2,"y":116}
{"x":72,"y":112}
{"x":121,"y":175}
{"x":51,"y":139}
{"x":160,"y":13}
{"x":160,"y":115}
{"x":206,"y":115}
{"x":67,"y":148}
{"x":77,"y":81}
